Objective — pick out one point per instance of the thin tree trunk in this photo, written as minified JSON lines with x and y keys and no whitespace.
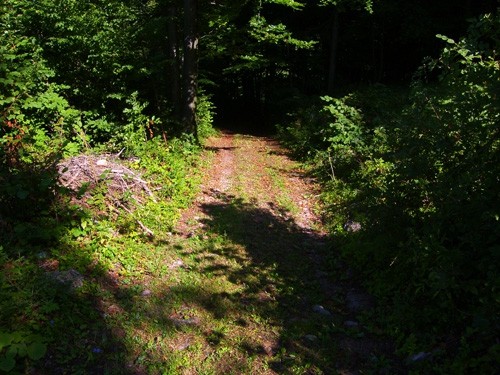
{"x":190,"y":66}
{"x":333,"y":51}
{"x":174,"y":62}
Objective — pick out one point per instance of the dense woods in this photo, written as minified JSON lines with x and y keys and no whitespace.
{"x":393,"y":106}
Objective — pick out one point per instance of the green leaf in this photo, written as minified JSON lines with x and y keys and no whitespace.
{"x":22,"y":194}
{"x":7,"y":363}
{"x":5,"y":339}
{"x":36,"y":350}
{"x":18,"y":349}
{"x":289,"y":3}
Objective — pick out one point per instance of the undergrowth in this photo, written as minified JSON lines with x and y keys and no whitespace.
{"x":61,"y":250}
{"x":411,"y":182}
{"x":96,"y":240}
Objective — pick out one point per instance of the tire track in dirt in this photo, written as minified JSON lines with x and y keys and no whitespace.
{"x":256,"y":196}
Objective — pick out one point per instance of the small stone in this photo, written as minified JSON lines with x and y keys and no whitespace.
{"x":71,"y":278}
{"x":358,"y":301}
{"x":102,"y":162}
{"x":42,"y":255}
{"x":352,"y":226}
{"x":146,"y":292}
{"x":321,"y":310}
{"x":183,"y":346}
{"x":321,"y":274}
{"x":185,"y":322}
{"x":351,"y":324}
{"x":177,"y":264}
{"x":422,"y":356}
{"x":311,"y":338}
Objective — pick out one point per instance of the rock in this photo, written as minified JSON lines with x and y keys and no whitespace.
{"x":146,"y":292}
{"x":352,"y":226}
{"x":185,"y":322}
{"x":321,"y":274}
{"x":42,"y":255}
{"x":311,"y":338}
{"x":102,"y":162}
{"x":351,"y":324}
{"x":358,"y":301}
{"x":422,"y":356}
{"x":183,"y":345}
{"x":71,"y":278}
{"x":176,"y":264}
{"x":321,"y":310}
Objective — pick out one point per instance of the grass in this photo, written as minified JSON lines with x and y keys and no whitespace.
{"x":233,"y":294}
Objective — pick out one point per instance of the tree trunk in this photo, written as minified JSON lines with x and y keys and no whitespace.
{"x":190,"y":67}
{"x":333,"y":51}
{"x":173,"y":74}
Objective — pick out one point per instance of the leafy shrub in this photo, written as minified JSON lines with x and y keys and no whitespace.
{"x":18,"y":345}
{"x":37,"y":124}
{"x":422,"y":178}
{"x":303,"y":136}
{"x":205,"y":116}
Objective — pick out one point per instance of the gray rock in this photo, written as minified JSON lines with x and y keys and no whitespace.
{"x":311,"y":338}
{"x":321,"y":310}
{"x":146,"y":292}
{"x":177,"y":264}
{"x":358,"y":301}
{"x":352,"y":226}
{"x":185,"y":322}
{"x":71,"y":278}
{"x":183,"y":345}
{"x":422,"y":356}
{"x":351,"y":324}
{"x":42,"y":255}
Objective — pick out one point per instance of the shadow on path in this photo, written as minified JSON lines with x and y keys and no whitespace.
{"x":278,"y":265}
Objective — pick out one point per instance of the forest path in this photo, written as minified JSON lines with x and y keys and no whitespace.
{"x":256,"y":171}
{"x":247,"y":293}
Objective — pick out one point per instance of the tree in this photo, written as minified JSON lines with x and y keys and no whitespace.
{"x":338,"y":7}
{"x":173,"y":73}
{"x":190,"y":66}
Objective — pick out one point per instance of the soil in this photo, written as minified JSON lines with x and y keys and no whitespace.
{"x":244,"y":163}
{"x":256,"y":195}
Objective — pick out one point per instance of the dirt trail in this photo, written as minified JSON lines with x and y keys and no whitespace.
{"x":255,"y":245}
{"x":257,"y":170}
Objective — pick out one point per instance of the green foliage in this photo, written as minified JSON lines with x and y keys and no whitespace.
{"x":94,"y":239}
{"x":18,"y":345}
{"x":262,"y":31}
{"x":343,"y":135}
{"x":38,"y":126}
{"x":205,"y":112}
{"x":289,"y":3}
{"x":422,"y":179}
{"x":133,"y":134}
{"x":342,"y":4}
{"x":91,"y":41}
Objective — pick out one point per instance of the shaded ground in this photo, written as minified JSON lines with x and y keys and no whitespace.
{"x":242,"y":285}
{"x":254,"y":243}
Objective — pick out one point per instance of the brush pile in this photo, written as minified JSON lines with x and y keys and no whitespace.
{"x":83,"y":173}
{"x":88,"y":171}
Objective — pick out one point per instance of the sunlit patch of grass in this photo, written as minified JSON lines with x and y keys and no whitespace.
{"x":234,"y":297}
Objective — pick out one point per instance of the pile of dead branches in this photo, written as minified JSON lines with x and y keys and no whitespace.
{"x":81,"y":174}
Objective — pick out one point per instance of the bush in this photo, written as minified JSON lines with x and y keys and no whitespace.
{"x":422,"y":179}
{"x":37,"y":124}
